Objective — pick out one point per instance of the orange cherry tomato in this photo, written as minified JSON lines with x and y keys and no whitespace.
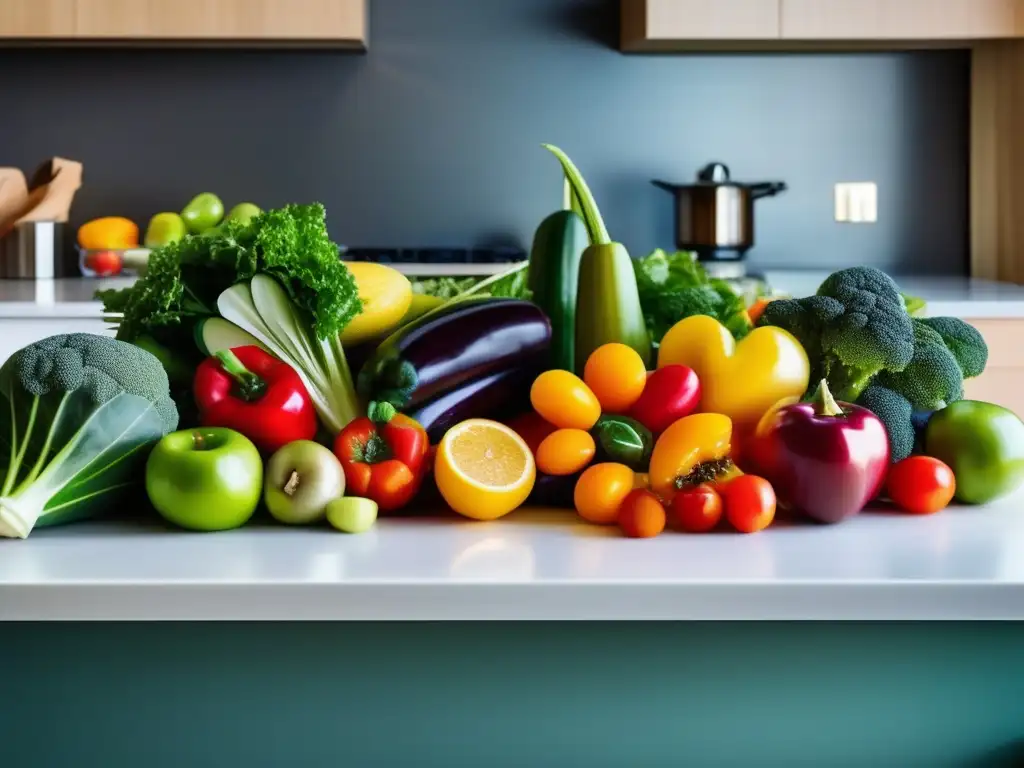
{"x":563,"y":399}
{"x":616,"y":374}
{"x":641,"y":515}
{"x":697,"y":509}
{"x":600,"y":491}
{"x":749,"y":503}
{"x":921,"y":485}
{"x":565,"y":452}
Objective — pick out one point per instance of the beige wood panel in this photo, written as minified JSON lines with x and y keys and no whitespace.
{"x":901,"y":19}
{"x":997,"y":161}
{"x":1002,"y":386}
{"x":37,"y":19}
{"x":340,"y":20}
{"x":653,"y":23}
{"x":1003,"y":380}
{"x":1005,"y":340}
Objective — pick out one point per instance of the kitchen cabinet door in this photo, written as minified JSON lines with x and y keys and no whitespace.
{"x":37,"y":19}
{"x":1003,"y":379}
{"x":340,"y":21}
{"x":901,"y":19}
{"x":654,"y":24}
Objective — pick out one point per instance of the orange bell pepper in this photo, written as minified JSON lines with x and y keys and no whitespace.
{"x":695,"y":449}
{"x":739,"y":379}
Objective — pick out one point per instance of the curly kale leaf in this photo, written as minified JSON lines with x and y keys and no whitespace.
{"x":184,"y":279}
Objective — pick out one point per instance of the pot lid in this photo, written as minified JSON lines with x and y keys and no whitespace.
{"x":714,"y":173}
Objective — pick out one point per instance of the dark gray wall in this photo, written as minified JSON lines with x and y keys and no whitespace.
{"x":432,"y":138}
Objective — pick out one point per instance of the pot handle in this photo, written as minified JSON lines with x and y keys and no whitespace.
{"x":766,"y":189}
{"x":667,"y":186}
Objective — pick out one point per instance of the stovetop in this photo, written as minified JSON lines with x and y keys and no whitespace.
{"x":496,"y":255}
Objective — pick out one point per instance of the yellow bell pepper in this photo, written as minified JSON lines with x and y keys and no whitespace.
{"x":743,"y":379}
{"x":695,"y":449}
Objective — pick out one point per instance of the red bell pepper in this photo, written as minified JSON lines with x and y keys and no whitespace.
{"x":671,"y":392}
{"x":250,"y":391}
{"x":384,"y":456}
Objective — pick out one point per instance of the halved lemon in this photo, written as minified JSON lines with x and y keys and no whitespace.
{"x":484,"y":469}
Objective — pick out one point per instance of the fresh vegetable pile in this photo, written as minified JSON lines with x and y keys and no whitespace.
{"x":253,"y":369}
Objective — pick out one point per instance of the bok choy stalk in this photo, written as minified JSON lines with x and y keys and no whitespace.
{"x":262,"y":308}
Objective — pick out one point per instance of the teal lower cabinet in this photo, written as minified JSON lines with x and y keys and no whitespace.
{"x":522,"y":695}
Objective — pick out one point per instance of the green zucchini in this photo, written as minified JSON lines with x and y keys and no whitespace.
{"x":558,"y":244}
{"x":608,"y":303}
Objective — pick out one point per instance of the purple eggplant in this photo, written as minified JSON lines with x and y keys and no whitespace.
{"x":554,"y":491}
{"x":497,"y":396}
{"x":443,"y":350}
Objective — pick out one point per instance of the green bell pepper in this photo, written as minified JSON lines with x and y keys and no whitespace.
{"x":623,"y":440}
{"x":983,"y":444}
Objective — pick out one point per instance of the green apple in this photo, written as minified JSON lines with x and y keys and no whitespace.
{"x":352,"y":514}
{"x":302,"y":478}
{"x":243,"y":213}
{"x":203,"y":212}
{"x":164,"y":229}
{"x":205,"y":479}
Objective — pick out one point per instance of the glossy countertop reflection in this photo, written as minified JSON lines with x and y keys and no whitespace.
{"x":963,"y":563}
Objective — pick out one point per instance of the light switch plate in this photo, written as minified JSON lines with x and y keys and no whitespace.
{"x":857,"y":202}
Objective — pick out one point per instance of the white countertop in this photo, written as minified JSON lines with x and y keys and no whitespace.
{"x":960,"y":297}
{"x":955,"y":296}
{"x":74,"y":296}
{"x":58,"y":298}
{"x":962,"y":563}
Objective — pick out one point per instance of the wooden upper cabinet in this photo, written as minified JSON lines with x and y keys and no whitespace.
{"x":42,"y":19}
{"x":664,"y":24}
{"x":901,"y":19}
{"x":209,"y":22}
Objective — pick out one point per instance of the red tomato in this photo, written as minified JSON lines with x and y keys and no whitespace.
{"x":697,"y":509}
{"x":921,"y":485}
{"x":749,"y":503}
{"x":104,"y":263}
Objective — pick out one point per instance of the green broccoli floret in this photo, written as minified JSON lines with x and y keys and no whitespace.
{"x":963,"y":340}
{"x":673,"y":287}
{"x":896,"y":413}
{"x":873,"y":334}
{"x":933,"y":379}
{"x":853,"y":328}
{"x":101,"y":366}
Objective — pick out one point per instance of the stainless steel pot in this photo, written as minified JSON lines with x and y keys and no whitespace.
{"x":715,"y":215}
